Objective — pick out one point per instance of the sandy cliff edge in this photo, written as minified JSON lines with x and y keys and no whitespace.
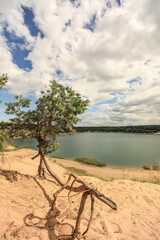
{"x":25,"y":202}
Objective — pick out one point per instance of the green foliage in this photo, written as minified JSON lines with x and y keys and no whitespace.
{"x":77,"y":171}
{"x":3,"y":81}
{"x":150,"y":129}
{"x":150,"y":167}
{"x":1,"y":138}
{"x":146,"y":167}
{"x":58,"y":157}
{"x":1,"y":146}
{"x":56,"y":111}
{"x":1,"y":143}
{"x":155,"y":167}
{"x":90,"y":161}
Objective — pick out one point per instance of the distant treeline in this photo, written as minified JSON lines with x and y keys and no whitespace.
{"x":123,"y":129}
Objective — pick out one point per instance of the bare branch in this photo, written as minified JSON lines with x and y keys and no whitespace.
{"x":87,"y":189}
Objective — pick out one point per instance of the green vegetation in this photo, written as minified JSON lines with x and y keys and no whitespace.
{"x":154,"y":181}
{"x":77,"y":171}
{"x":3,"y":81}
{"x":148,"y":129}
{"x":1,"y":143}
{"x":122,"y":129}
{"x":90,"y":161}
{"x":146,"y":167}
{"x":58,"y":157}
{"x":150,"y":167}
{"x":1,"y":146}
{"x":56,"y":111}
{"x":1,"y":138}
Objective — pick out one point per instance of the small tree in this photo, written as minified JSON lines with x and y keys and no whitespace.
{"x":3,"y":81}
{"x":56,"y":111}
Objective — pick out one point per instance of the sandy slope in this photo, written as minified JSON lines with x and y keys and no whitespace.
{"x":25,"y":201}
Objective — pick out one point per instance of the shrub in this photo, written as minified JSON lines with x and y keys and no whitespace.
{"x":155,"y":167}
{"x":146,"y":167}
{"x":1,"y":138}
{"x":150,"y":167}
{"x":90,"y":161}
{"x":1,"y":146}
{"x":77,"y":171}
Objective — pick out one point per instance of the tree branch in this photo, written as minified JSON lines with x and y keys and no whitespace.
{"x":84,"y":186}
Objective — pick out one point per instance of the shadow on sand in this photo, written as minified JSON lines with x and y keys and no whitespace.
{"x":50,"y":222}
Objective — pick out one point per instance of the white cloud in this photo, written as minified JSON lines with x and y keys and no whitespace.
{"x":94,"y":63}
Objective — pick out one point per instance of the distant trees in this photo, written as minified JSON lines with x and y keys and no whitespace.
{"x":56,"y":111}
{"x":121,"y":129}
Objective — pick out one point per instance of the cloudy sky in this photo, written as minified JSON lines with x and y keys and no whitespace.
{"x":107,"y":50}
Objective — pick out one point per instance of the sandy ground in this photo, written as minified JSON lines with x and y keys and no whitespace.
{"x":26,"y":199}
{"x":110,"y":173}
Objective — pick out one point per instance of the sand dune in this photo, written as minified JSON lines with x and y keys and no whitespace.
{"x":25,"y":201}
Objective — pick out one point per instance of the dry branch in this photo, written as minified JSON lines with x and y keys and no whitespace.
{"x":84,"y":186}
{"x":87,"y":189}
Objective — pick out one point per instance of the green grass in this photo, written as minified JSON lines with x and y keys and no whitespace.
{"x":146,"y":167}
{"x":58,"y":157}
{"x":77,"y":171}
{"x":154,"y":181}
{"x":82,"y":172}
{"x":90,"y":161}
{"x":150,"y":167}
{"x":155,"y":167}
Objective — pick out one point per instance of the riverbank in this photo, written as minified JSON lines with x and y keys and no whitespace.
{"x":104,"y":173}
{"x":111,"y":173}
{"x":25,"y":200}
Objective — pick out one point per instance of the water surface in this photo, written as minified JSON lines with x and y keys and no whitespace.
{"x":116,"y":149}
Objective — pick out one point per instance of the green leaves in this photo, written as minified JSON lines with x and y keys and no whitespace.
{"x":56,"y":110}
{"x":3,"y":81}
{"x":16,"y":107}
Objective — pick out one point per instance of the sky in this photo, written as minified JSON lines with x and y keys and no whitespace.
{"x":106,"y":50}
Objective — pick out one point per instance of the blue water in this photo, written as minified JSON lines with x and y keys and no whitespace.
{"x":115,"y":149}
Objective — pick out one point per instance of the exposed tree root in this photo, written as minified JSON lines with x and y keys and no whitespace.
{"x":87,"y":189}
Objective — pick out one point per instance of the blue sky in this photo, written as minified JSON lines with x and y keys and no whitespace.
{"x":107,"y":51}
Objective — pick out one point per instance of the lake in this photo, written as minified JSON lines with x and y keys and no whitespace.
{"x":115,"y":149}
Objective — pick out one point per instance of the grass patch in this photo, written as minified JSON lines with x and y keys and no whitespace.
{"x":146,"y":167}
{"x":154,"y":181}
{"x":82,"y":172}
{"x":150,"y":167}
{"x":90,"y":161}
{"x":155,"y":167}
{"x":58,"y":157}
{"x":77,"y":171}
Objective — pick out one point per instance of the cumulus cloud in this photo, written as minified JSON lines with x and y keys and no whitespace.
{"x":99,"y":48}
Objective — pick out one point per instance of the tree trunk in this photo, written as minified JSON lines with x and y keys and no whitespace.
{"x":41,"y":168}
